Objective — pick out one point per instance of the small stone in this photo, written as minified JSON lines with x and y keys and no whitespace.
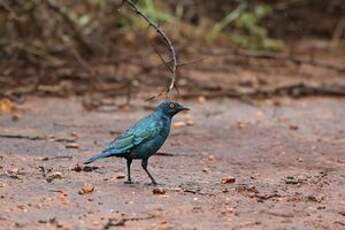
{"x":299,"y":159}
{"x":205,"y":170}
{"x":87,"y":188}
{"x":228,"y":180}
{"x":211,"y":157}
{"x":74,"y":134}
{"x":15,"y":117}
{"x":241,"y":125}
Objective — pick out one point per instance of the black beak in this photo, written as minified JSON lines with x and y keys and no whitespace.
{"x":183,"y":108}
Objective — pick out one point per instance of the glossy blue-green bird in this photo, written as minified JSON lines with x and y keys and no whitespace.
{"x":143,"y":139}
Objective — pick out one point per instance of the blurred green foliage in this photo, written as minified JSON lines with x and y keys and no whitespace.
{"x":155,"y":13}
{"x":255,"y":35}
{"x":249,"y":30}
{"x":98,"y":23}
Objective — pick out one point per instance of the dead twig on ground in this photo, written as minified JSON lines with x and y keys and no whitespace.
{"x":274,"y":56}
{"x":113,"y":222}
{"x":20,"y":136}
{"x":166,"y":40}
{"x":294,"y":89}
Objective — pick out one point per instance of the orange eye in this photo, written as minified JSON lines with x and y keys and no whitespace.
{"x":172,"y":106}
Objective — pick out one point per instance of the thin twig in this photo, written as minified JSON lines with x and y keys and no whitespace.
{"x":162,"y":59}
{"x":338,"y":32}
{"x":165,"y":38}
{"x":82,"y":61}
{"x":6,"y":6}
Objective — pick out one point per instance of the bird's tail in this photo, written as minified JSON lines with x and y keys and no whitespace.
{"x":96,"y":157}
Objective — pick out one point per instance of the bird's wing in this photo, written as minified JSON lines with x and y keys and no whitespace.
{"x":144,"y":130}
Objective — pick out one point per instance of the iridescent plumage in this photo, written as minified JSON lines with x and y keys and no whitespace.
{"x":144,"y":138}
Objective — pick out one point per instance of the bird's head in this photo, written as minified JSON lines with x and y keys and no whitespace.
{"x":170,"y":108}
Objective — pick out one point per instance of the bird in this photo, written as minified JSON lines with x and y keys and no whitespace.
{"x":143,"y":139}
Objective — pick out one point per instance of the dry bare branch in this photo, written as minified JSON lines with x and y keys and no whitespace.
{"x":166,"y":40}
{"x":275,"y":56}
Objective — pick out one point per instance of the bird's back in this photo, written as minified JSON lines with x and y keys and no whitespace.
{"x":142,"y":138}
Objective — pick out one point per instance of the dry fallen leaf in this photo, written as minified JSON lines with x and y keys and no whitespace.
{"x":241,"y":125}
{"x":53,"y":176}
{"x":72,"y":145}
{"x":163,"y":225}
{"x":179,"y":124}
{"x":87,"y":188}
{"x":228,"y":180}
{"x":14,"y":173}
{"x":83,"y":168}
{"x":159,"y":191}
{"x":63,"y":198}
{"x":6,"y":106}
{"x":42,"y":158}
{"x":186,"y":120}
{"x":75,"y":134}
{"x":190,"y":123}
{"x":293,"y":127}
{"x":120,"y":176}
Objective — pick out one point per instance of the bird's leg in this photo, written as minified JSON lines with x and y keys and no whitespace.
{"x":129,"y":180}
{"x":144,"y":165}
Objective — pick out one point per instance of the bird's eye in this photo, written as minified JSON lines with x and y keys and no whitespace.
{"x":172,"y":106}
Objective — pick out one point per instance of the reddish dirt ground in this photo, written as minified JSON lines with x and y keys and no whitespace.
{"x":287,"y":162}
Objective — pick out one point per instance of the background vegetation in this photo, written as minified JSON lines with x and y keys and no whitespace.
{"x":42,"y":36}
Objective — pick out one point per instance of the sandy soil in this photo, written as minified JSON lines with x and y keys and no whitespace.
{"x":238,"y":166}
